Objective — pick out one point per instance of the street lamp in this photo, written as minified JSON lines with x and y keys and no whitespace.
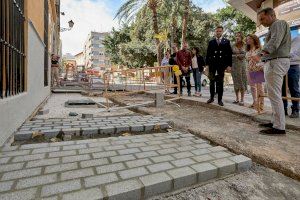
{"x":71,"y":24}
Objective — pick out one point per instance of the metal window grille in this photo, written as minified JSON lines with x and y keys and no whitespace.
{"x":12,"y":55}
{"x":46,"y":56}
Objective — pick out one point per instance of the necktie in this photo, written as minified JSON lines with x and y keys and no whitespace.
{"x":218,"y":40}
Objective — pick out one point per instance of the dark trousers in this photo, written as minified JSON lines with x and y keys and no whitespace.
{"x":293,"y":84}
{"x":216,"y":82}
{"x":188,"y":82}
{"x":175,"y":82}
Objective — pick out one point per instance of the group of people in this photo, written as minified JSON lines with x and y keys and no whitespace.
{"x":249,"y":63}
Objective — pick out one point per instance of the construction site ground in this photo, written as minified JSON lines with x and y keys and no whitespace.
{"x":276,"y":173}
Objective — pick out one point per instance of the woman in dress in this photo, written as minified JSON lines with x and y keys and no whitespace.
{"x":255,"y":72}
{"x":238,"y":71}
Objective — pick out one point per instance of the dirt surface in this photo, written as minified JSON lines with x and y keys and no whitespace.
{"x":241,"y":135}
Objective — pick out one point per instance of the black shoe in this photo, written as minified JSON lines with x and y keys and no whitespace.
{"x":286,"y":112}
{"x":294,"y":114}
{"x":221,"y":103}
{"x":189,"y":94}
{"x":267,"y":125}
{"x":174,"y":92}
{"x":273,"y":131}
{"x":210,"y":101}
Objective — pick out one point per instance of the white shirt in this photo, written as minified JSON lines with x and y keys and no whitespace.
{"x":219,"y":40}
{"x":194,"y":62}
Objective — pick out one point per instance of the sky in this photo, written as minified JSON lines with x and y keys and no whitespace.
{"x":98,"y":15}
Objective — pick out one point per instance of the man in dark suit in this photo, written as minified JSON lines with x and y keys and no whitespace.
{"x":219,"y":59}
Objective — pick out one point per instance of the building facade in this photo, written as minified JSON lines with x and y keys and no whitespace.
{"x":94,"y":52}
{"x":80,"y":61}
{"x":29,"y":33}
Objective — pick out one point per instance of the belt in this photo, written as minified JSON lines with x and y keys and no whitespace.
{"x":266,"y":60}
{"x":294,"y":65}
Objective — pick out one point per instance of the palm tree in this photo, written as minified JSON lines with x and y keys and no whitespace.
{"x":129,"y":10}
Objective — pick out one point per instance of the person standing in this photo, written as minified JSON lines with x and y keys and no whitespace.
{"x":219,"y":59}
{"x":276,"y":55}
{"x":172,"y":61}
{"x":55,"y":70}
{"x":184,"y":60}
{"x":197,"y":67}
{"x":165,"y":71}
{"x":255,"y":73}
{"x":238,"y":71}
{"x":293,"y":79}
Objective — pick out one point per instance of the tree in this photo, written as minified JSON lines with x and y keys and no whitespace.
{"x":185,"y":19}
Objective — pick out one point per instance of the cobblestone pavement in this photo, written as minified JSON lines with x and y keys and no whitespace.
{"x":91,"y":126}
{"x":127,"y":167}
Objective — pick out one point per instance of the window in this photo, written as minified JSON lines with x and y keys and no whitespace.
{"x":12,"y":55}
{"x":295,"y":31}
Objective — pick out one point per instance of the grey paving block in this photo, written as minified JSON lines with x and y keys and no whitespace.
{"x":183,"y":162}
{"x":243,"y":163}
{"x":182,"y":155}
{"x":167,"y":151}
{"x":137,"y":128}
{"x":199,"y":141}
{"x":130,"y":173}
{"x":76,"y":158}
{"x":61,"y":167}
{"x":11,"y":167}
{"x":94,"y":162}
{"x":140,"y":144}
{"x":114,"y":147}
{"x":71,"y":131}
{"x":4,"y":160}
{"x":21,"y":174}
{"x":156,"y":184}
{"x":159,"y":167}
{"x":149,"y":126}
{"x":125,"y":190}
{"x":14,"y":153}
{"x":99,"y":144}
{"x":225,"y":166}
{"x":104,"y":154}
{"x":122,"y":158}
{"x":164,"y":158}
{"x":27,"y":194}
{"x":128,"y":151}
{"x":62,"y":153}
{"x":107,"y":130}
{"x":150,"y":148}
{"x":43,"y":162}
{"x":6,"y":186}
{"x":167,"y":146}
{"x":220,"y":154}
{"x":76,"y":174}
{"x":146,"y":154}
{"x":200,"y":151}
{"x":155,"y":142}
{"x":138,"y":163}
{"x":90,"y":150}
{"x":201,"y":146}
{"x":45,"y":150}
{"x":61,"y":187}
{"x":206,"y":171}
{"x":162,"y":125}
{"x":90,"y":131}
{"x":65,"y":143}
{"x":76,"y":146}
{"x":203,"y":158}
{"x":23,"y":135}
{"x":110,"y":168}
{"x":183,"y":177}
{"x":86,"y":194}
{"x":100,"y":180}
{"x":185,"y":148}
{"x":36,"y":181}
{"x":217,"y":148}
{"x":120,"y":129}
{"x":120,"y":141}
{"x":33,"y":146}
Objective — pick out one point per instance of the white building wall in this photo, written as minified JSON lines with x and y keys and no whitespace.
{"x":16,"y":109}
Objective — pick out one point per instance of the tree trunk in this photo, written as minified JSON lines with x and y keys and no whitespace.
{"x":174,"y":30}
{"x":184,"y":21}
{"x":155,"y":28}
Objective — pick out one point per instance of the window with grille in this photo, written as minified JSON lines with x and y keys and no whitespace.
{"x":12,"y":55}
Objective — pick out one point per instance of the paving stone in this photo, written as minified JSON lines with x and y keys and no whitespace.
{"x":118,"y":142}
{"x":122,"y":158}
{"x":77,"y":146}
{"x":4,"y":160}
{"x":61,"y":167}
{"x":36,"y":181}
{"x":137,"y":128}
{"x":21,"y":174}
{"x":159,"y":167}
{"x":149,"y":126}
{"x":130,"y":173}
{"x":86,"y":194}
{"x":167,"y":151}
{"x":203,"y":158}
{"x":94,"y":162}
{"x":186,"y":148}
{"x":76,"y":158}
{"x":77,"y":174}
{"x":114,"y":147}
{"x":183,"y":162}
{"x":225,"y":166}
{"x":45,"y":150}
{"x":217,"y":148}
{"x":90,"y":150}
{"x":100,"y":180}
{"x":125,"y":190}
{"x":220,"y":154}
{"x":140,"y":144}
{"x":65,"y":143}
{"x":167,"y":146}
{"x":120,"y":129}
{"x":199,"y":141}
{"x":182,"y":155}
{"x":206,"y":171}
{"x":19,"y":195}
{"x":154,"y":142}
{"x":23,"y":135}
{"x":200,"y":151}
{"x":62,"y":153}
{"x":107,"y":130}
{"x":5,"y":186}
{"x":33,"y":146}
{"x":43,"y":162}
{"x":104,"y":154}
{"x":128,"y":151}
{"x":11,"y":167}
{"x":99,"y":144}
{"x":150,"y":148}
{"x":163,"y":125}
{"x":183,"y":177}
{"x":146,"y":154}
{"x":87,"y":141}
{"x":138,"y":163}
{"x":110,"y":168}
{"x":164,"y":158}
{"x":90,"y":131}
{"x":156,"y":184}
{"x":9,"y":148}
{"x":61,"y":187}
{"x":243,"y":163}
{"x":72,"y":131}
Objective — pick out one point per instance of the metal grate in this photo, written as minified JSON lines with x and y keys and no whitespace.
{"x":12,"y":56}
